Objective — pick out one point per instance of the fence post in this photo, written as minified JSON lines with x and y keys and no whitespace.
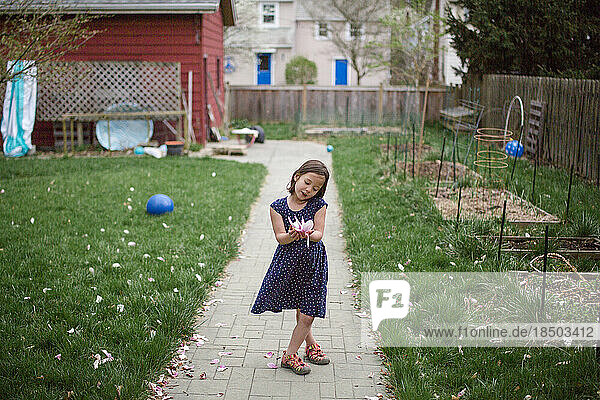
{"x":304,"y":103}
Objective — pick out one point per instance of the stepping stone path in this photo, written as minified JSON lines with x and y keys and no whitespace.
{"x":243,"y":339}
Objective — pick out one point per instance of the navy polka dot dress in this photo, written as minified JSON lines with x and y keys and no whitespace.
{"x":297,"y":277}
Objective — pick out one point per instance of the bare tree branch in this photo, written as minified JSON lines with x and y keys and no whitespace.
{"x":363,"y":18}
{"x":41,"y":33}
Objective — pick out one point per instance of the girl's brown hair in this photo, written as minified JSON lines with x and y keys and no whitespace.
{"x":314,"y":166}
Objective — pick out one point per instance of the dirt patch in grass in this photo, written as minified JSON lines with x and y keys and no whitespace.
{"x":483,"y":203}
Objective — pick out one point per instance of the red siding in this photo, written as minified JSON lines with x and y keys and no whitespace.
{"x":168,"y":38}
{"x":212,"y":46}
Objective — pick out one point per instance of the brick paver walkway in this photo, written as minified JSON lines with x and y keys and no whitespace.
{"x":354,"y":372}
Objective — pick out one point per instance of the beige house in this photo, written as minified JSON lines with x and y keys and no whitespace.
{"x":276,"y":31}
{"x":285,"y":29}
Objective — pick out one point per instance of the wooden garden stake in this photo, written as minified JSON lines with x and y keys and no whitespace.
{"x":569,"y":192}
{"x":543,"y":300}
{"x":598,"y":172}
{"x":533,"y":184}
{"x":501,"y":232}
{"x":405,"y":156}
{"x":423,"y":119}
{"x":413,"y":150}
{"x":458,"y":209}
{"x":395,"y":151}
{"x":387,"y":154}
{"x":437,"y":186}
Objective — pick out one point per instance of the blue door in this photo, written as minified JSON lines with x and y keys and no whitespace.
{"x":263,"y":61}
{"x":341,"y":72}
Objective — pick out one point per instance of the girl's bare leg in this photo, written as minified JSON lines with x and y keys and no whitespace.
{"x":309,"y":337}
{"x":300,"y":332}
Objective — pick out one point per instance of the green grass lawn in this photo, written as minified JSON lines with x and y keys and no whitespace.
{"x":81,"y":272}
{"x":389,"y":220}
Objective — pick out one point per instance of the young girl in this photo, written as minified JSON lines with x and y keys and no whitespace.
{"x":297,"y":277}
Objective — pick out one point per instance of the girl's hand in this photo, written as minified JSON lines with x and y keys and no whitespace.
{"x":294,"y":234}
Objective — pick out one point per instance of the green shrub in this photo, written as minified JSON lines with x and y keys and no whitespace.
{"x":300,"y":70}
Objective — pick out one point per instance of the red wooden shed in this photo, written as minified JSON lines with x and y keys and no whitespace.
{"x":186,"y":32}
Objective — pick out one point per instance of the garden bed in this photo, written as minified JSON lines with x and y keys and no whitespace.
{"x":483,"y":203}
{"x":430,"y":170}
{"x":569,"y":246}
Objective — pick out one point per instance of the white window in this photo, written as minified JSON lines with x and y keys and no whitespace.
{"x":268,"y":14}
{"x":322,"y":31}
{"x":354,"y":31}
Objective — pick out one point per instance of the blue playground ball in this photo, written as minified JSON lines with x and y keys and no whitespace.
{"x":514,"y":148}
{"x":139,"y":150}
{"x":159,"y":204}
{"x":329,"y":148}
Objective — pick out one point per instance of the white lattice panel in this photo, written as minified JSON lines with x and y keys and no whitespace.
{"x":92,"y":87}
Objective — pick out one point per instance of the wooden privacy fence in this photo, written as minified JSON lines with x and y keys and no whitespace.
{"x":571,"y":127}
{"x":316,"y":104}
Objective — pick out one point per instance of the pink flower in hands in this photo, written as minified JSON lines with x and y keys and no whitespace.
{"x":303,"y":228}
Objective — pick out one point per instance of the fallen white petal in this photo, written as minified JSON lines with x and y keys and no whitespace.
{"x":131,"y":244}
{"x":125,"y":231}
{"x":176,"y":290}
{"x":272,"y":365}
{"x":91,"y":270}
{"x":98,"y":298}
{"x":146,"y":255}
{"x":216,"y":360}
{"x":201,"y":236}
{"x":199,"y":278}
{"x":221,"y":368}
{"x":71,"y":331}
{"x":116,"y":265}
{"x":46,"y":289}
{"x":160,"y":259}
{"x":120,"y":307}
{"x":32,"y":220}
{"x":214,"y":174}
{"x":165,"y":225}
{"x":131,"y":189}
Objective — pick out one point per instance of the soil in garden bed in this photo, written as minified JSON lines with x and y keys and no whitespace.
{"x":430,"y":170}
{"x":483,"y":203}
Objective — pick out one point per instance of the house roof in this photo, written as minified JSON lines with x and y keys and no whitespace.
{"x":144,"y":7}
